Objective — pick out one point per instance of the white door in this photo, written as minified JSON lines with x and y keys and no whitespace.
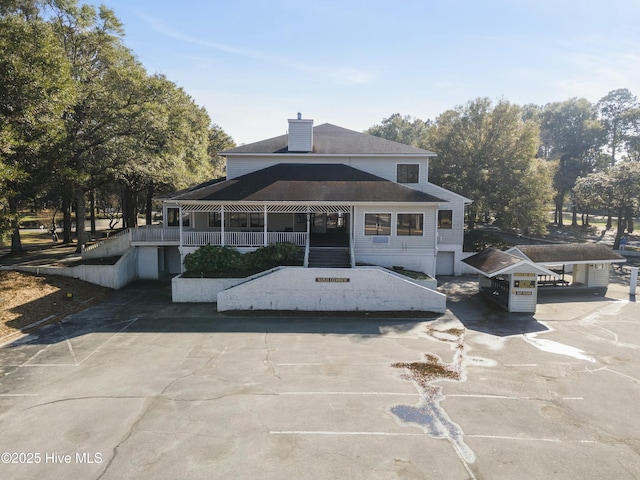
{"x":444,"y":263}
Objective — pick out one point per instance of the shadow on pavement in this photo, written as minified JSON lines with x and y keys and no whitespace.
{"x":146,"y":307}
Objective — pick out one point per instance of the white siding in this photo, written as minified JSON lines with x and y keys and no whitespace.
{"x":384,"y":167}
{"x":300,"y":135}
{"x":523,"y":299}
{"x":412,"y":252}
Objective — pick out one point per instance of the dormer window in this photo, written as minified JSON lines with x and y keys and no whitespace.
{"x":408,"y":173}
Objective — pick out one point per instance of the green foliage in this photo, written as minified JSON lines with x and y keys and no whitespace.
{"x":213,"y":260}
{"x":210,"y":259}
{"x":407,"y":130}
{"x":479,"y":240}
{"x":486,"y":153}
{"x":274,"y":255}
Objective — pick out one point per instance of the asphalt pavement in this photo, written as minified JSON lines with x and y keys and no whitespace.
{"x":138,"y":387}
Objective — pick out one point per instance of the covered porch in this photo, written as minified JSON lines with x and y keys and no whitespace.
{"x":256,"y":225}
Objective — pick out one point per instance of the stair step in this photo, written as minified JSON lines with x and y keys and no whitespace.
{"x":329,"y":257}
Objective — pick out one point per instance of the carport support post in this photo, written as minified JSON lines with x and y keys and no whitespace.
{"x":633,"y":283}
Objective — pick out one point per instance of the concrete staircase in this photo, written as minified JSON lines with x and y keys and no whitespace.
{"x":329,"y":257}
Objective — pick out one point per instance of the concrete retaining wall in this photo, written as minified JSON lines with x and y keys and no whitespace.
{"x":111,"y":276}
{"x":109,"y":247}
{"x":331,"y":289}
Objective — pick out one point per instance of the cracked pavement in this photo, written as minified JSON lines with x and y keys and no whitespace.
{"x":162,"y":390}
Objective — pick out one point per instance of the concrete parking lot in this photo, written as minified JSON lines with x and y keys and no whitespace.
{"x":138,"y":387}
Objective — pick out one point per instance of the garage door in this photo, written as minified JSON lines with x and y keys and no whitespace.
{"x":444,"y":263}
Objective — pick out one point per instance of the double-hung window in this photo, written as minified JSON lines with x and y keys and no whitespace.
{"x":410,"y":224}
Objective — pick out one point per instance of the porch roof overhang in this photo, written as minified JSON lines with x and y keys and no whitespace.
{"x":567,"y":253}
{"x":492,"y":262}
{"x":305,"y":184}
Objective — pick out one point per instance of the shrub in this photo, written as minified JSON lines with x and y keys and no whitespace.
{"x":209,"y":259}
{"x":274,"y":255}
{"x":212,"y":260}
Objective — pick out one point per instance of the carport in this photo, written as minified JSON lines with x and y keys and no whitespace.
{"x":507,"y":279}
{"x":587,"y":263}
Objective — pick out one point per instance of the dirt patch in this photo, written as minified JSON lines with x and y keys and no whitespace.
{"x":26,"y":299}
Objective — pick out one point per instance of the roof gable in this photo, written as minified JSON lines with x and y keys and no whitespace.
{"x":492,"y":262}
{"x":331,"y":140}
{"x":307,"y":183}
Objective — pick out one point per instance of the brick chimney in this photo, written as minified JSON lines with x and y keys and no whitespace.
{"x":300,"y":135}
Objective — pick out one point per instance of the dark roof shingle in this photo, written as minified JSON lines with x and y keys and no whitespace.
{"x":332,"y":140}
{"x":491,"y":260}
{"x":570,"y":252}
{"x":307,"y":183}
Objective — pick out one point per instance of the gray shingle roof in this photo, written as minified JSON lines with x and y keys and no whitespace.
{"x":307,"y":183}
{"x":332,"y":140}
{"x":570,"y":252}
{"x":491,"y":260}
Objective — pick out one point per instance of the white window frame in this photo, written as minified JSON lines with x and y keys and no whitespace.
{"x":407,"y":163}
{"x":364,"y":224}
{"x":424,"y":227}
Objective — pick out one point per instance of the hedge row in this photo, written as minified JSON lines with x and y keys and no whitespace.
{"x":214,"y":261}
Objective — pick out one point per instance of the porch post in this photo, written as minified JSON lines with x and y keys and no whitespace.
{"x":181,"y":237}
{"x":222,"y":225}
{"x":266,"y":241}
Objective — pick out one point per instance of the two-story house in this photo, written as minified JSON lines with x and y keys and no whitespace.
{"x":325,"y":188}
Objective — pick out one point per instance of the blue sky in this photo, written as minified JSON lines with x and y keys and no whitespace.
{"x":254,"y":64}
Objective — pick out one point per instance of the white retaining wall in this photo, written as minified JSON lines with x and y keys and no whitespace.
{"x":112,"y":276}
{"x":331,"y":289}
{"x":113,"y":246}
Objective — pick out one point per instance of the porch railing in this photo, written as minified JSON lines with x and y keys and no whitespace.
{"x":153,"y":233}
{"x":192,"y":238}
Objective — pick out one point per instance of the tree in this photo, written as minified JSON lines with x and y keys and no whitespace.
{"x":407,"y":130}
{"x":219,"y":140}
{"x":616,"y":110}
{"x":618,"y":189}
{"x":573,"y":136}
{"x":486,"y":153}
{"x":36,"y":89}
{"x":110,"y":110}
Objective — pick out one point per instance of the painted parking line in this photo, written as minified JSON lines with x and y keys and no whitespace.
{"x":390,"y":394}
{"x":328,"y":432}
{"x":19,"y":394}
{"x":76,"y":363}
{"x":528,"y":439}
{"x":503,"y":397}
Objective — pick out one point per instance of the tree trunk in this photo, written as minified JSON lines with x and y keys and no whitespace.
{"x":629,"y":220}
{"x":129,"y":207}
{"x":66,"y":218}
{"x":92,"y":212}
{"x":620,"y":229}
{"x":16,"y":242}
{"x":609,"y":221}
{"x":149,"y":206}
{"x":81,"y":217}
{"x":559,"y":205}
{"x":574,"y":216}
